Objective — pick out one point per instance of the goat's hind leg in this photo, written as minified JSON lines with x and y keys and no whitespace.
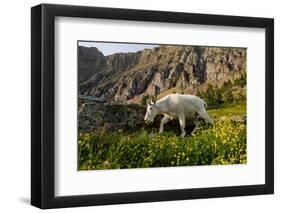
{"x":204,"y":115}
{"x":196,"y":122}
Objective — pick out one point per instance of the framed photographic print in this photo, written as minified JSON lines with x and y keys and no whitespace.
{"x":139,"y":106}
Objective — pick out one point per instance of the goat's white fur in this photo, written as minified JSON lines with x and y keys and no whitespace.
{"x":178,"y":106}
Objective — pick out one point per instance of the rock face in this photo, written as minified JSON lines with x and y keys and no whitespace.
{"x":90,"y":60}
{"x":100,"y":116}
{"x":122,"y":77}
{"x":103,"y":116}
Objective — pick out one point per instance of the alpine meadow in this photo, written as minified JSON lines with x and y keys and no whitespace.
{"x":156,"y":105}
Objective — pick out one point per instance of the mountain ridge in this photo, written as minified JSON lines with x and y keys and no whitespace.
{"x":124,"y":77}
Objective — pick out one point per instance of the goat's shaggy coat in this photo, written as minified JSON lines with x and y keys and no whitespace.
{"x":178,"y":106}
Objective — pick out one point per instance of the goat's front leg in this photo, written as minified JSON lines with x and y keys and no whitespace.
{"x":164,"y":120}
{"x":182,"y":125}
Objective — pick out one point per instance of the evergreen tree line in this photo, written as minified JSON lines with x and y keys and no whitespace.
{"x":217,"y":96}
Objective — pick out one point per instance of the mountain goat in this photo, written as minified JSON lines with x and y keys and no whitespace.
{"x":178,"y":106}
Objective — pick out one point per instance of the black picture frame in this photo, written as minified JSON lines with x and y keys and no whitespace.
{"x":43,"y":102}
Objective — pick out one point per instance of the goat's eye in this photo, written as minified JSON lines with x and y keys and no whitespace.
{"x":150,"y":108}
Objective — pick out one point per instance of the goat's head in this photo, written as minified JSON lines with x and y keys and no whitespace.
{"x":151,"y":112}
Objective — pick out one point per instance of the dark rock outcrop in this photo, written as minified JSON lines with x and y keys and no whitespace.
{"x":90,"y":60}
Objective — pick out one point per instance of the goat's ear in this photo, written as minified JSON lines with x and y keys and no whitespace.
{"x":147,"y":101}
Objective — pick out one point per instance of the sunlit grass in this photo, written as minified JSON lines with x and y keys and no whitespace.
{"x":235,"y":109}
{"x":222,"y":143}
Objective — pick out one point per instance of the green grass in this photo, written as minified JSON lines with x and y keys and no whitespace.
{"x":235,"y":109}
{"x":222,"y":143}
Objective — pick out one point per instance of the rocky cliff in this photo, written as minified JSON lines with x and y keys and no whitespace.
{"x":124,"y":77}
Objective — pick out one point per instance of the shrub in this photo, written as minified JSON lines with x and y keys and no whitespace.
{"x":217,"y":96}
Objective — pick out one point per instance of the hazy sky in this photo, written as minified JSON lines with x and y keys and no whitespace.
{"x":111,"y":48}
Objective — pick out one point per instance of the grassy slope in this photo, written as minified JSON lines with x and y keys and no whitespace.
{"x":222,"y":143}
{"x":235,"y":109}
